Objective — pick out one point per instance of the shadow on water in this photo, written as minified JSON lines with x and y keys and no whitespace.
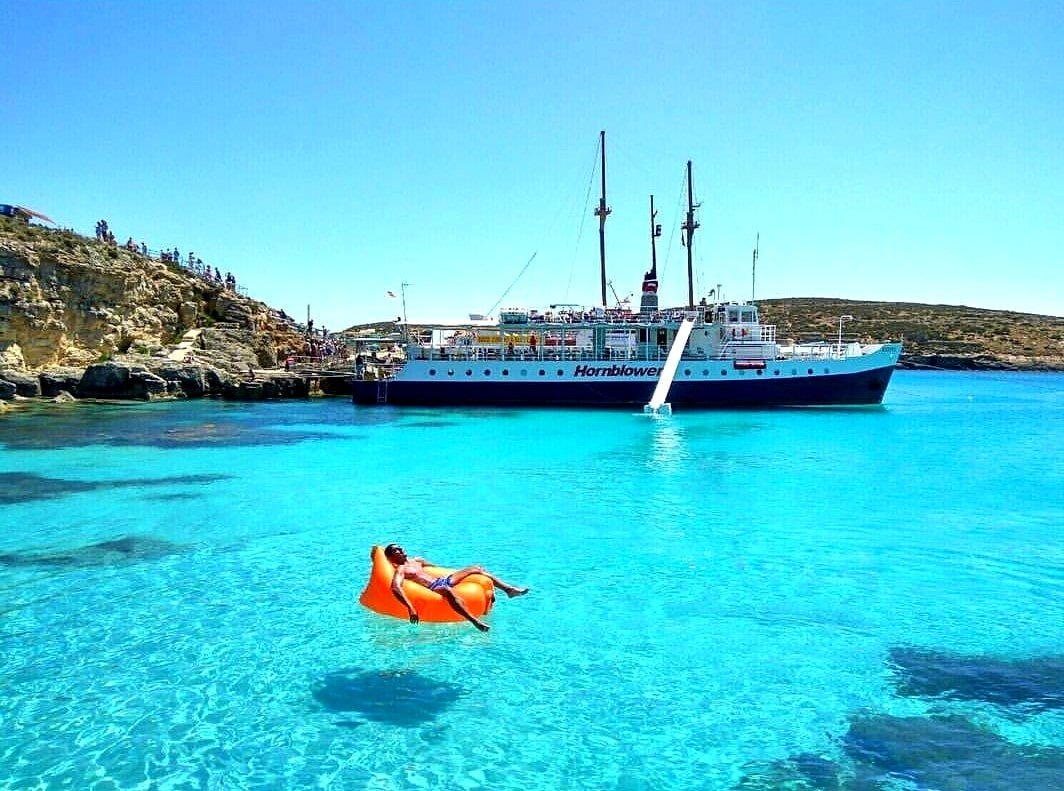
{"x":24,"y":487}
{"x":128,"y":549}
{"x":396,"y":697}
{"x":1036,"y":683}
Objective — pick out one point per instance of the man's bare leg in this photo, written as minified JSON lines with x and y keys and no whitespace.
{"x":505,"y":587}
{"x":459,"y":607}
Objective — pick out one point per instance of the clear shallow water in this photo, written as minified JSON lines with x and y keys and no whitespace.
{"x":857,"y":599}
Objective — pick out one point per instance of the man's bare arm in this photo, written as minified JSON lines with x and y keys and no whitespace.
{"x":400,"y":594}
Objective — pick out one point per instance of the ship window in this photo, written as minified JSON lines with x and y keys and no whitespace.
{"x":542,"y":372}
{"x":524,"y":372}
{"x":450,"y":371}
{"x":809,"y":371}
{"x":487,"y":372}
{"x":723,"y":372}
{"x":705,"y":372}
{"x":505,"y":372}
{"x":760,"y":371}
{"x":432,"y":371}
{"x":776,"y":372}
{"x":686,"y":371}
{"x":827,"y":370}
{"x":469,"y":371}
{"x":561,"y":372}
{"x":794,"y":372}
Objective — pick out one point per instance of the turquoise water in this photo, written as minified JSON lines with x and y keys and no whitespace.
{"x":806,"y":599}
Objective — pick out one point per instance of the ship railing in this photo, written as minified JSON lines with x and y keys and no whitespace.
{"x":817,"y":350}
{"x":583,"y":353}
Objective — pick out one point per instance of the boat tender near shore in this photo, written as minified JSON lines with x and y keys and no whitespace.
{"x":698,"y":356}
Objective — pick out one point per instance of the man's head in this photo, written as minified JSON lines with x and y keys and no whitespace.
{"x":395,"y":554}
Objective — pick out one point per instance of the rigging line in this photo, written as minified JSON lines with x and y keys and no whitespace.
{"x":583,"y":221}
{"x":514,"y":283}
{"x":681,"y":198}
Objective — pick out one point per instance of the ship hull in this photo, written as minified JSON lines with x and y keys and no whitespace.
{"x":758,"y":389}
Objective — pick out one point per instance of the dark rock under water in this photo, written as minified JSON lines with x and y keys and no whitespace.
{"x":1036,"y":682}
{"x":127,"y":549}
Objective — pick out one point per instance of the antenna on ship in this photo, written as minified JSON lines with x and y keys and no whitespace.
{"x":602,"y":212}
{"x":655,"y":232}
{"x":689,"y":227}
{"x":648,"y":302}
{"x":753,"y":268}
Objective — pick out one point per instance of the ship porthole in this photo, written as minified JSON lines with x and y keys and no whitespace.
{"x":561,"y":372}
{"x":542,"y":372}
{"x":469,"y":371}
{"x":794,"y":372}
{"x":505,"y":372}
{"x":450,"y":371}
{"x":776,"y":372}
{"x":723,"y":372}
{"x":524,"y":372}
{"x":686,"y":371}
{"x":705,"y":372}
{"x":760,"y":372}
{"x":827,"y":370}
{"x":487,"y":372}
{"x":432,"y":371}
{"x":809,"y":371}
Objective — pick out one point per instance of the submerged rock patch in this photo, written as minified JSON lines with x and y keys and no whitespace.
{"x":24,"y":487}
{"x":1036,"y":682}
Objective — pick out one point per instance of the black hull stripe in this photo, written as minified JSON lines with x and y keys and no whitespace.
{"x":865,"y":387}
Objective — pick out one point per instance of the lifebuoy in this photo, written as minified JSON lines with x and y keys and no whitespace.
{"x":476,"y":590}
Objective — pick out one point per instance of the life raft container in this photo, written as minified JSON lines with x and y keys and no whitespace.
{"x":476,"y":590}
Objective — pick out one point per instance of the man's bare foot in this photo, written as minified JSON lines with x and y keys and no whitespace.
{"x":481,"y":626}
{"x":517,"y":592}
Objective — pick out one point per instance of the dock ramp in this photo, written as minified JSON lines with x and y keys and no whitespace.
{"x":657,"y":403}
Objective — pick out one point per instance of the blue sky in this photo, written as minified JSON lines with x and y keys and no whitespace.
{"x":327,"y":153}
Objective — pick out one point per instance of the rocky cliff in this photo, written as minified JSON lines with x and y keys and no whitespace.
{"x":70,"y":304}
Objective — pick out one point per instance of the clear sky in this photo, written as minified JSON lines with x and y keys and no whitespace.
{"x":326,"y":153}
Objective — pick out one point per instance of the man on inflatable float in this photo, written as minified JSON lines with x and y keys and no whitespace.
{"x":414,"y":570}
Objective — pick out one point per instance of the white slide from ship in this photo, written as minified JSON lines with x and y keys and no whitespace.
{"x":657,"y":405}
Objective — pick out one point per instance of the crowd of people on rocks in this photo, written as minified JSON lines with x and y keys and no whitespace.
{"x":192,"y":263}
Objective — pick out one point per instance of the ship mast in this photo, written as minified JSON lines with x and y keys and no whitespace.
{"x":602,"y":212}
{"x":753,"y":269}
{"x":689,"y":227}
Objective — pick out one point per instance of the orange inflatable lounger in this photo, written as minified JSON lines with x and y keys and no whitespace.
{"x":476,"y":590}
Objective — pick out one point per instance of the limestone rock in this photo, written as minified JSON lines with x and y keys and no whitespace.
{"x":57,"y":380}
{"x":66,"y":300}
{"x":26,"y":385}
{"x":119,"y":380}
